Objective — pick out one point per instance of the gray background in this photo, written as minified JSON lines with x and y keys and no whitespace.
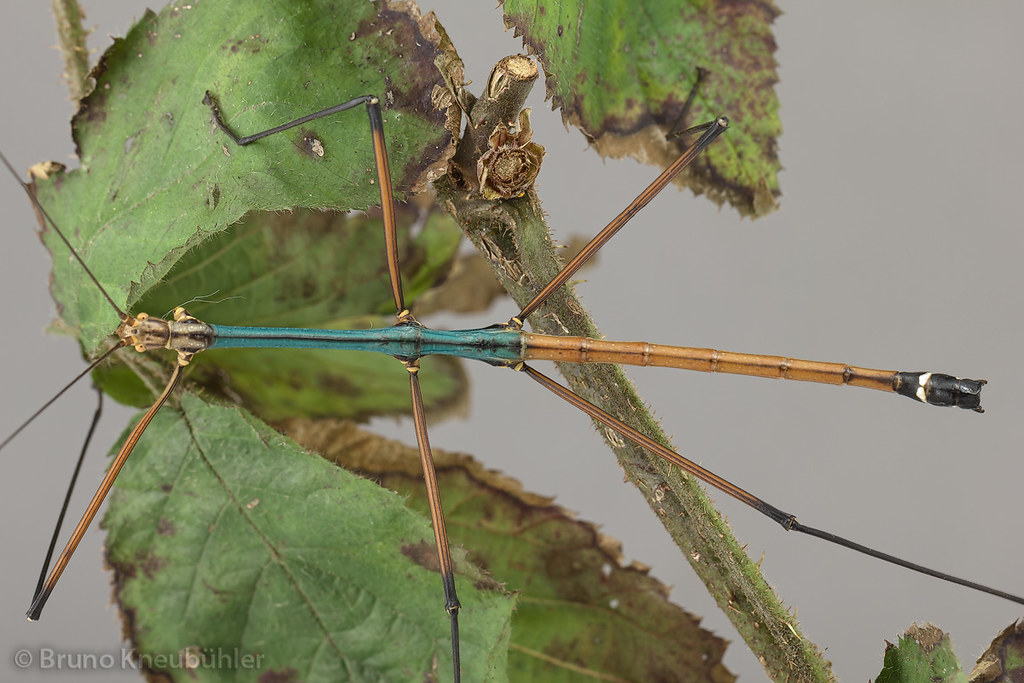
{"x":897,"y":245}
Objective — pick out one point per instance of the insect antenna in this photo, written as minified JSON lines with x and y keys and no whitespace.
{"x":60,"y":393}
{"x":60,"y":233}
{"x":124,"y":316}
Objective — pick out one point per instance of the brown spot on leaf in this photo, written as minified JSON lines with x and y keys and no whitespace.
{"x":279,"y":676}
{"x":150,"y":565}
{"x":927,"y":636}
{"x":310,"y":144}
{"x":424,"y":554}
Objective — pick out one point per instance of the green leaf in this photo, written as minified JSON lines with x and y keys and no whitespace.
{"x":923,"y":655}
{"x":307,"y":269}
{"x":582,"y":615}
{"x":230,"y":540}
{"x":621,"y":73}
{"x":158,"y":178}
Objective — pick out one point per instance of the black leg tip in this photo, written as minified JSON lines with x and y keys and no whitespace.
{"x":36,"y":609}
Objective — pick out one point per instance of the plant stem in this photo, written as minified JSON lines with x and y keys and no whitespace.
{"x":515,"y":240}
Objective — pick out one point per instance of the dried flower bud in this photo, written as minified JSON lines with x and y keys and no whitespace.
{"x":511,"y":164}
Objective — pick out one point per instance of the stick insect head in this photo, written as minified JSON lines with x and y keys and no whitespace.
{"x":185,"y":334}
